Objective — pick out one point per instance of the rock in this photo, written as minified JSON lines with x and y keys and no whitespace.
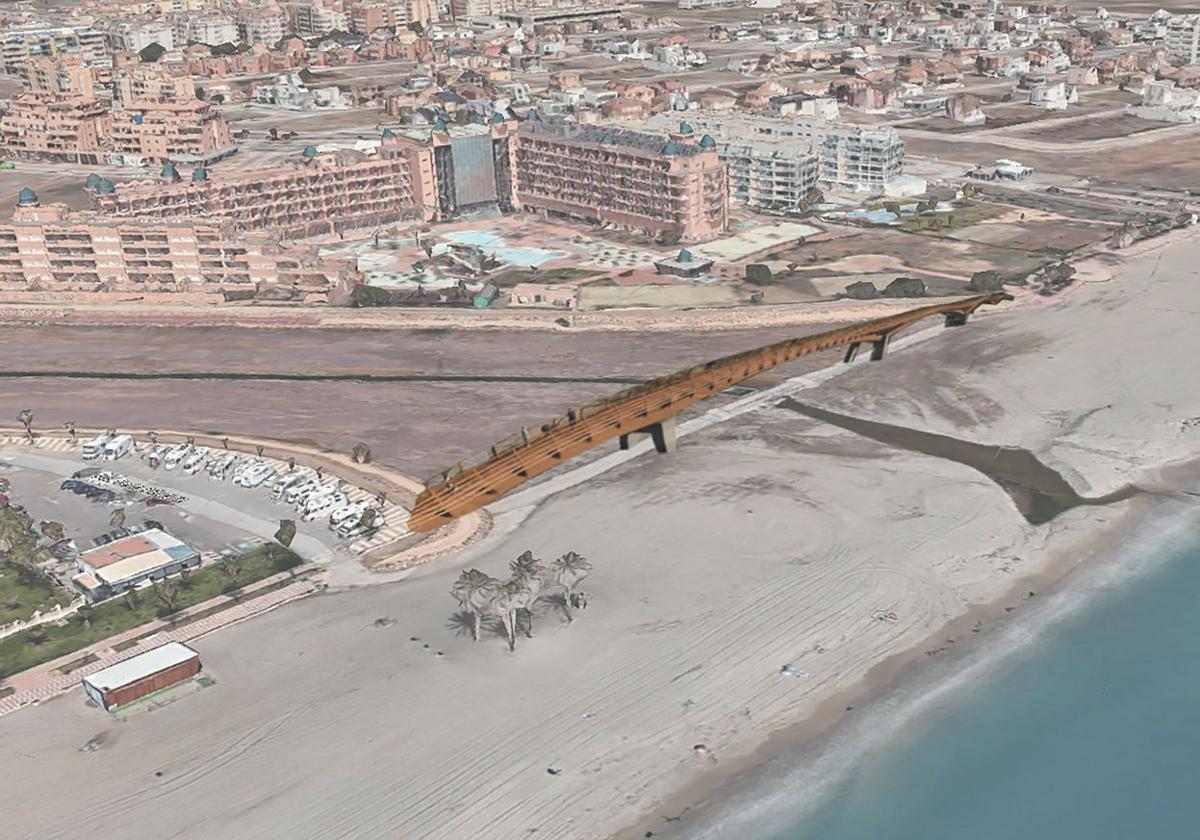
{"x":862,"y":290}
{"x":986,"y":281}
{"x":905,"y":287}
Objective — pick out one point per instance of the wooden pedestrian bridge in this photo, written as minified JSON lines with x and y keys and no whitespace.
{"x":648,"y":410}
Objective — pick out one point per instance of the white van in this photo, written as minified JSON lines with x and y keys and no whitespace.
{"x":118,"y":447}
{"x":314,"y":492}
{"x":176,"y":454}
{"x":350,"y":529}
{"x":94,"y":448}
{"x":322,"y":507}
{"x":264,"y":473}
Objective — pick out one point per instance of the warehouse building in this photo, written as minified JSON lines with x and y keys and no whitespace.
{"x":121,"y":565}
{"x":138,"y":676}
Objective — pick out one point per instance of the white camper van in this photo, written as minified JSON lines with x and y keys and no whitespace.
{"x":118,"y":447}
{"x":94,"y":448}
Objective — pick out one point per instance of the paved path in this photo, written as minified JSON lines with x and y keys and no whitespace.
{"x":50,"y":684}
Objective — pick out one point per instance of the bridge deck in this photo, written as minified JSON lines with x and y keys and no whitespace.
{"x":515,"y":460}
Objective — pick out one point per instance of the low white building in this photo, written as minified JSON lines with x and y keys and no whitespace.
{"x":123,"y":564}
{"x":1164,"y":102}
{"x":1052,"y":96}
{"x":289,"y":91}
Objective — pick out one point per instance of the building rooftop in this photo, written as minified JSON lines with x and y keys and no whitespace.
{"x":611,"y":135}
{"x":141,"y":666}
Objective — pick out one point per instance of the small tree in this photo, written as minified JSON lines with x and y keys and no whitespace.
{"x":151,"y":53}
{"x":84,"y":615}
{"x":166,"y":590}
{"x":25,"y":417}
{"x":362,"y":453}
{"x":231,"y":567}
{"x":117,"y":520}
{"x":52,"y":530}
{"x":475,"y":592}
{"x":132,"y":600}
{"x":70,"y":427}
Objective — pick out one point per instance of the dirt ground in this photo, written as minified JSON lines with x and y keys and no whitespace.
{"x":419,"y":427}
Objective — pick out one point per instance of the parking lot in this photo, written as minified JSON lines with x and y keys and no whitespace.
{"x":210,"y":514}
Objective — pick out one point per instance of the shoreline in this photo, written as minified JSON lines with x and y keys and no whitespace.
{"x":823,"y":746}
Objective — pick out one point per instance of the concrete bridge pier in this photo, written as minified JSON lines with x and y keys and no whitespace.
{"x":663,"y":435}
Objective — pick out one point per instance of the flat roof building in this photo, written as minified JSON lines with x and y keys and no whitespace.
{"x":141,"y":675}
{"x":124,"y":563}
{"x":188,"y":131}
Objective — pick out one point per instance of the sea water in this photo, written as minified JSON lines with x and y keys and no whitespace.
{"x":1091,"y":731}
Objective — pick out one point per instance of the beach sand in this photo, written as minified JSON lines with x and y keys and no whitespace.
{"x":771,"y":539}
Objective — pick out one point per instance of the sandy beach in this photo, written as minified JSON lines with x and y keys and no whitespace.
{"x":770,"y":539}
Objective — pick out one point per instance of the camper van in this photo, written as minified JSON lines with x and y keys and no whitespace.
{"x":176,"y":455}
{"x":118,"y":447}
{"x":94,"y":448}
{"x":155,"y":456}
{"x":220,"y":467}
{"x":286,"y":482}
{"x":195,"y":461}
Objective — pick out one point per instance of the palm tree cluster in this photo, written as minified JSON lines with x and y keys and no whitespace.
{"x":511,"y":601}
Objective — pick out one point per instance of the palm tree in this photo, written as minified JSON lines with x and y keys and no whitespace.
{"x":291,"y":462}
{"x":25,"y":418}
{"x":510,"y":596}
{"x":152,"y":436}
{"x":70,"y":427}
{"x":569,"y":571}
{"x":529,"y":574}
{"x":475,"y":592}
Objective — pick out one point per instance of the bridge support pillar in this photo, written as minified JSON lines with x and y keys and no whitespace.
{"x":663,"y":435}
{"x":879,"y":348}
{"x":956,"y":319}
{"x":852,"y":352}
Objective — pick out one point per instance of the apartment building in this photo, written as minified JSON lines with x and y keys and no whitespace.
{"x":629,"y":179}
{"x":150,"y":83}
{"x":18,"y":44}
{"x":312,"y":18}
{"x":135,"y":36}
{"x":316,"y":195}
{"x":65,"y":74}
{"x":49,"y":248}
{"x":261,"y":26}
{"x":49,"y":126}
{"x":188,"y":131}
{"x":1183,"y":38}
{"x":850,"y":157}
{"x":211,"y":30}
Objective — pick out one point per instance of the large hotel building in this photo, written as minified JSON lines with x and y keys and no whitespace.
{"x":628,"y":179}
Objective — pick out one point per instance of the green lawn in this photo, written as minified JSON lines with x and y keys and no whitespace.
{"x":24,"y":590}
{"x":41,"y":644}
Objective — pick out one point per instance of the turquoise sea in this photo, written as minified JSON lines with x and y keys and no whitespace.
{"x":1088,"y":730}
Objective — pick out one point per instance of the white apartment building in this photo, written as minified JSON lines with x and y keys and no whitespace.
{"x":849,"y":157}
{"x":135,"y":36}
{"x":1182,"y":38}
{"x":212,"y":30}
{"x":316,"y":18}
{"x":20,"y":43}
